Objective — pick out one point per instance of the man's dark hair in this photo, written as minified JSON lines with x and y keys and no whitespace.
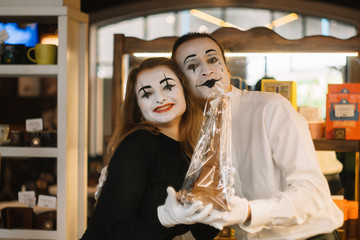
{"x":191,"y":36}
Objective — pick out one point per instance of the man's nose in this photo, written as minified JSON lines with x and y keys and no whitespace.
{"x":206,"y":70}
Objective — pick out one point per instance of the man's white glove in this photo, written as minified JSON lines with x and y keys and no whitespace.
{"x":102,"y":179}
{"x":238,"y":214}
{"x":172,"y":212}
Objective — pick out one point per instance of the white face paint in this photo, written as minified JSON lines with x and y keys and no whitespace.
{"x":160,"y":96}
{"x":201,"y":61}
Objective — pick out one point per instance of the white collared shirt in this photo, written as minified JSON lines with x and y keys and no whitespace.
{"x":278,"y":171}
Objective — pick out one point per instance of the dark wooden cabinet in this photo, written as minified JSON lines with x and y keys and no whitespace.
{"x":342,"y":146}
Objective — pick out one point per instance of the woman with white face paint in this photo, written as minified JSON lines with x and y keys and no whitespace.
{"x":150,"y":151}
{"x":280,"y":190}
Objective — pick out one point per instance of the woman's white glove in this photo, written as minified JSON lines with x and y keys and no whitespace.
{"x":238,"y":214}
{"x":102,"y":179}
{"x":172,"y":212}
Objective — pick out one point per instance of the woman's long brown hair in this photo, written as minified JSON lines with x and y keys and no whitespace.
{"x":131,"y":118}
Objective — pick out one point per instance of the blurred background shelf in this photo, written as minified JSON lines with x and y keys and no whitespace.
{"x":342,"y":146}
{"x":28,"y":70}
{"x":70,"y":81}
{"x":337,"y":145}
{"x":29,"y":152}
{"x":27,"y":234}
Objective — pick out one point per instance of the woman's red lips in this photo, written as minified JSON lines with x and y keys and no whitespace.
{"x":164,"y":108}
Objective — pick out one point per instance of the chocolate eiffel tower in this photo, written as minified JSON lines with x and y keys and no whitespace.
{"x":206,"y":178}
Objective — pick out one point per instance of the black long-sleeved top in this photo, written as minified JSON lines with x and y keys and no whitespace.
{"x":142,"y":167}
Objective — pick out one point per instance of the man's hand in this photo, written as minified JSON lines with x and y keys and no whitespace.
{"x":240,"y":212}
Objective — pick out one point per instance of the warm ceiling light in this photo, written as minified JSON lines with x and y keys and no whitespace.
{"x":211,"y":19}
{"x":287,"y":54}
{"x":244,"y":54}
{"x":282,"y":21}
{"x":152,"y":54}
{"x":276,"y":23}
{"x":50,"y":39}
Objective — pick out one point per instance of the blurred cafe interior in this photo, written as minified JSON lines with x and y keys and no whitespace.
{"x":57,"y":114}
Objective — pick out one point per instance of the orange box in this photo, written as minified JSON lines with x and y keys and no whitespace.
{"x":342,"y":115}
{"x":344,"y":88}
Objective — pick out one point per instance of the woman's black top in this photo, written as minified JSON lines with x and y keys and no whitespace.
{"x":141,"y":169}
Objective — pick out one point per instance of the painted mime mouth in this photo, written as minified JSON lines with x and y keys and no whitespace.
{"x":209,"y":83}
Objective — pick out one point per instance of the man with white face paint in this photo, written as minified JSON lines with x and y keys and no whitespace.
{"x":280,"y":190}
{"x":209,"y":75}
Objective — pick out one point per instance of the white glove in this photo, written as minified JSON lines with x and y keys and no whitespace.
{"x":172,"y":212}
{"x":238,"y":214}
{"x":102,"y":179}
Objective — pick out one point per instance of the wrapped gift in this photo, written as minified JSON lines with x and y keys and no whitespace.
{"x":208,"y":175}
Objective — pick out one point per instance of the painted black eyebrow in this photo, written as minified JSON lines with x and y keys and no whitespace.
{"x":143,"y":88}
{"x":210,"y":50}
{"x":166,"y":80}
{"x":191,"y":55}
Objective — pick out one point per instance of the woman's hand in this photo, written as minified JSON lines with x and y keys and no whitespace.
{"x":102,"y":179}
{"x":172,"y":212}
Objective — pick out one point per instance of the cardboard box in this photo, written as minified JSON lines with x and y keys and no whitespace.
{"x":342,"y":116}
{"x":310,"y":113}
{"x":285,"y":88}
{"x":344,"y":88}
{"x":17,"y":217}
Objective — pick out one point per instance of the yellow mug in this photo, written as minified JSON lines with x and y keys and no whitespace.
{"x":44,"y":54}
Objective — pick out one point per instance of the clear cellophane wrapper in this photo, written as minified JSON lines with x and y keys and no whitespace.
{"x":208,"y":175}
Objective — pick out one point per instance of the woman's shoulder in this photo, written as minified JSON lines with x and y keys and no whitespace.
{"x":141,"y":136}
{"x":137,"y":142}
{"x":142,"y":133}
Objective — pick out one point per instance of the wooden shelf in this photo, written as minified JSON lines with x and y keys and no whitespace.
{"x":337,"y":145}
{"x":27,"y":234}
{"x":36,"y":12}
{"x":41,"y":152}
{"x":343,"y":146}
{"x":72,"y":99}
{"x":9,"y":70}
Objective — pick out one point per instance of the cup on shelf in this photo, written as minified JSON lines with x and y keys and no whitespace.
{"x":45,"y":138}
{"x":40,"y":139}
{"x":4,"y":132}
{"x":53,"y":138}
{"x":33,"y":139}
{"x":44,"y":54}
{"x":17,"y":137}
{"x":13,"y":54}
{"x":32,"y":55}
